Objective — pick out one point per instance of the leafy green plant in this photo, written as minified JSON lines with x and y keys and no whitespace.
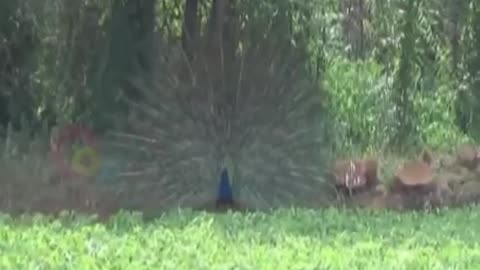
{"x":284,"y":239}
{"x":436,"y":116}
{"x":359,"y":99}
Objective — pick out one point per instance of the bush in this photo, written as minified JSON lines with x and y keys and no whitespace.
{"x":361,"y":102}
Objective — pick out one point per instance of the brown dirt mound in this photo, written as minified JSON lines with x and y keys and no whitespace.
{"x":468,"y":156}
{"x":414,"y":173}
{"x":446,"y":186}
{"x":378,"y":199}
{"x":53,"y":199}
{"x":417,"y":185}
{"x":467,"y":193}
{"x":414,"y":178}
{"x":347,"y":173}
{"x":356,"y":175}
{"x":370,"y":170}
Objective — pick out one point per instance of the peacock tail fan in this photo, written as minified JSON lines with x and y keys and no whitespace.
{"x":261,"y":111}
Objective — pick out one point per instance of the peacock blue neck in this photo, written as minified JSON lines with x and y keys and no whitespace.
{"x":225,"y":193}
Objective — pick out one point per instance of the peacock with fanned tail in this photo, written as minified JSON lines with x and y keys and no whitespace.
{"x":263,"y":112}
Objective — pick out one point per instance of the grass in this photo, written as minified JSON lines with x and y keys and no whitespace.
{"x":285,"y":239}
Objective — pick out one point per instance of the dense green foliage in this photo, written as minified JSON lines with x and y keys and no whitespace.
{"x":288,"y":239}
{"x":398,"y":73}
{"x":361,"y":88}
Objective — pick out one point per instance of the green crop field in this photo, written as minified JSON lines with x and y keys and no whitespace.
{"x":287,"y":239}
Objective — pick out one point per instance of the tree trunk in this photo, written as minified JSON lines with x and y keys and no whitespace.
{"x":190,"y":29}
{"x":215,"y":37}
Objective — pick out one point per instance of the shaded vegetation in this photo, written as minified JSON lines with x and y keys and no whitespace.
{"x":70,"y":61}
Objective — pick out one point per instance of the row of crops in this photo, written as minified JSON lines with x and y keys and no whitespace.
{"x":285,"y":239}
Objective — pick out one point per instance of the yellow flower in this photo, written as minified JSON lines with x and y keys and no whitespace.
{"x":86,"y":161}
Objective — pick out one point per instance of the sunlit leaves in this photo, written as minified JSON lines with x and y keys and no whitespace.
{"x":286,"y":239}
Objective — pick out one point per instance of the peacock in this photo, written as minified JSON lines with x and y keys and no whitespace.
{"x":261,"y":111}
